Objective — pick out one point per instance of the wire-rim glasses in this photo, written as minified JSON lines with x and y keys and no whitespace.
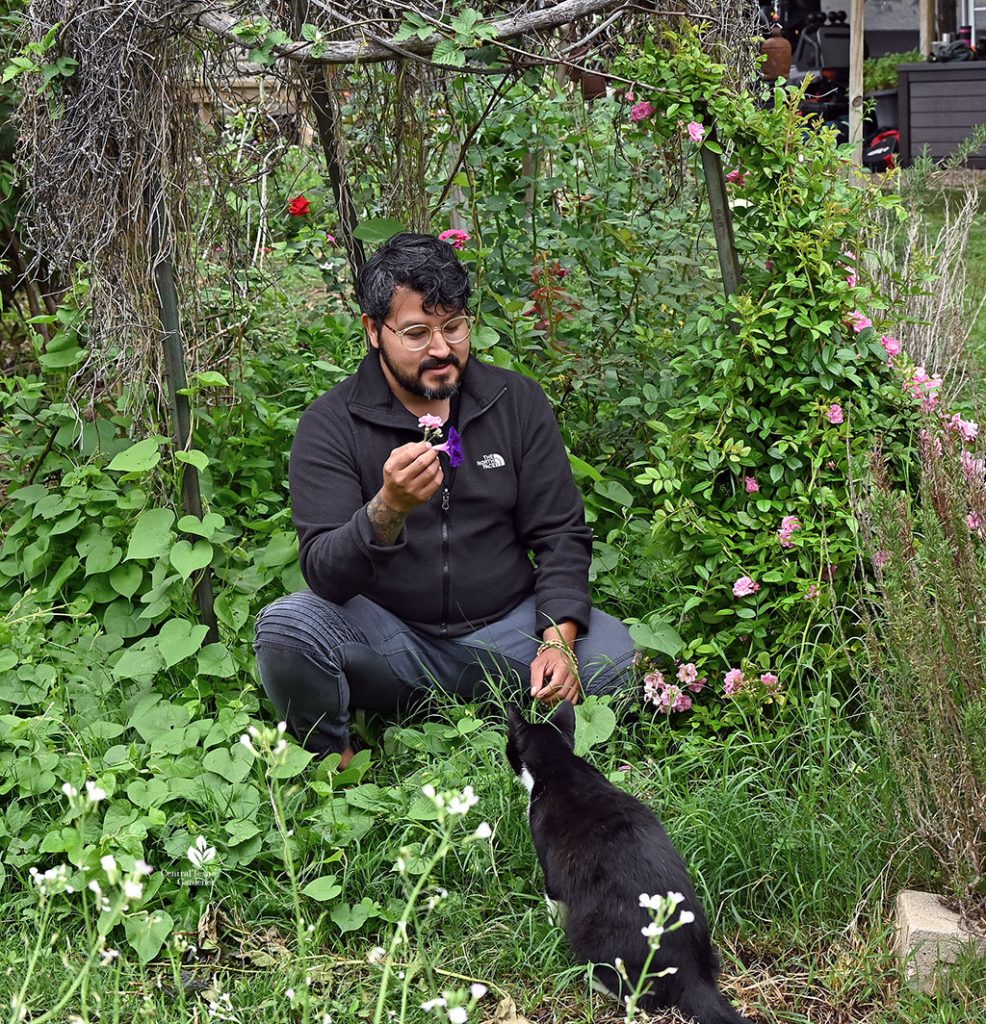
{"x":416,"y":337}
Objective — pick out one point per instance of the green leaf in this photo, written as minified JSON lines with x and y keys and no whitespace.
{"x":188,"y":558}
{"x":595,"y":724}
{"x":204,"y":527}
{"x":215,"y":660}
{"x":323,"y":889}
{"x":450,"y":53}
{"x":96,"y":546}
{"x":139,"y":457}
{"x":152,"y":793}
{"x":233,"y":767}
{"x":178,"y":640}
{"x":210,"y":379}
{"x":141,"y":661}
{"x":147,"y":932}
{"x":125,"y":579}
{"x":614,"y":491}
{"x":378,"y":229}
{"x":151,"y":536}
{"x":657,"y":635}
{"x":351,"y":919}
{"x":295,"y":761}
{"x":193,"y":458}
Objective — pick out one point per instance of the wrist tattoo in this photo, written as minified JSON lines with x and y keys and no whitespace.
{"x":385,"y":521}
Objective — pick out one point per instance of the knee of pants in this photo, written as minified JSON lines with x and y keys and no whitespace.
{"x":310,"y":697}
{"x":607,"y":676}
{"x":306,"y":622}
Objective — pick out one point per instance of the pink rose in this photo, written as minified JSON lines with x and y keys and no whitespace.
{"x":732,"y":681}
{"x":835,"y":413}
{"x":858,"y":321}
{"x":974,"y":521}
{"x":769,"y":681}
{"x":966,"y":428}
{"x":455,"y":237}
{"x":629,"y":97}
{"x":687,"y":674}
{"x":641,"y":111}
{"x":751,"y":485}
{"x":745,"y":586}
{"x":426,"y":421}
{"x":891,"y":346}
{"x":695,"y":131}
{"x":736,"y":177}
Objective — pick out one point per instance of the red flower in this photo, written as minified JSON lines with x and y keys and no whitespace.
{"x":299,"y":206}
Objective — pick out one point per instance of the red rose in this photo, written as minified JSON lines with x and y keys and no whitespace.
{"x":299,"y":206}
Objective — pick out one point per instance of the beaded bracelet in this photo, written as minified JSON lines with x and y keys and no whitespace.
{"x":557,"y":645}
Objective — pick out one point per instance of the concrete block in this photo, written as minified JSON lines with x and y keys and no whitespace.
{"x":928,"y":935}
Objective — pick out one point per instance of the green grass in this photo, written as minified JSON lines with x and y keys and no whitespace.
{"x":791,"y":838}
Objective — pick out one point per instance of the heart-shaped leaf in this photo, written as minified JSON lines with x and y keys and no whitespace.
{"x":139,"y":457}
{"x":188,"y":558}
{"x":178,"y":640}
{"x":146,"y":932}
{"x":233,"y":767}
{"x":125,"y":579}
{"x":323,"y":889}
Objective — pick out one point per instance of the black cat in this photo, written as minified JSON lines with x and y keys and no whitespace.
{"x":600,"y":850}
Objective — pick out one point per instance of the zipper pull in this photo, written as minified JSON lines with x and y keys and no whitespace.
{"x":445,"y":499}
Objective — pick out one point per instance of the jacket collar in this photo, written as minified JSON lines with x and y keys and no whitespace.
{"x":373,"y":400}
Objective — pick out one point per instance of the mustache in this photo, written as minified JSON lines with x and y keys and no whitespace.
{"x":437,"y":364}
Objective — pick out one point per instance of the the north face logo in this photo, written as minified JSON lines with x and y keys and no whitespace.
{"x":491,"y":461}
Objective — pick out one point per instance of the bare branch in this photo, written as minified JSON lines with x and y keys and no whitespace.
{"x":216,"y":19}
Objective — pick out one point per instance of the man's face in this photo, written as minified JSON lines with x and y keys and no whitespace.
{"x":435,"y":371}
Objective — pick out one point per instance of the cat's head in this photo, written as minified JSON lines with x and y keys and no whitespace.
{"x":531,"y":746}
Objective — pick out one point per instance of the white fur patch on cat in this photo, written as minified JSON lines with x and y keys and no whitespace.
{"x":526,"y":779}
{"x":557,"y":911}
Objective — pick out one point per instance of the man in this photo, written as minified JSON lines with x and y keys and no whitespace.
{"x":421,"y":571}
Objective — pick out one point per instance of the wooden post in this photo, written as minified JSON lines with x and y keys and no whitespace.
{"x":167,"y":296}
{"x":722,"y":221}
{"x":926,"y":26}
{"x":856,"y":81}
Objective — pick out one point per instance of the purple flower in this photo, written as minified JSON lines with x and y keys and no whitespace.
{"x":452,"y":448}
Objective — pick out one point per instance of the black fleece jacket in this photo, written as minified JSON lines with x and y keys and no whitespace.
{"x":461,"y":560}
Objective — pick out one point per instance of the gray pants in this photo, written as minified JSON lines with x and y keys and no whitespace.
{"x":319,"y":661}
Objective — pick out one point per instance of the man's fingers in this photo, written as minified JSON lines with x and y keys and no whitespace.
{"x":537,"y":677}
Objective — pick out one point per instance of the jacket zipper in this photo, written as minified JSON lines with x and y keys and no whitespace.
{"x":446,"y":571}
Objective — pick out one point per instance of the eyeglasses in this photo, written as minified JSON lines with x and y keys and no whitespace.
{"x":418,"y":336}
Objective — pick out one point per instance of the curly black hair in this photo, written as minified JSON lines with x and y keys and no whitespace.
{"x":421,"y":263}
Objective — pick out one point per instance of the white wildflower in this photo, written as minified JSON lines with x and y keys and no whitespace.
{"x":477,"y":991}
{"x":483,"y":830}
{"x":108,"y":956}
{"x":686,"y":917}
{"x":94,"y":793}
{"x":652,"y":931}
{"x":458,"y":1015}
{"x":133,"y":890}
{"x":376,"y":955}
{"x":142,"y":869}
{"x":108,"y":864}
{"x":432,"y":1004}
{"x":70,"y":791}
{"x":289,"y":994}
{"x":459,"y":803}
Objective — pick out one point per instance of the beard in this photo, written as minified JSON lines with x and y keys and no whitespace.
{"x":414,"y":385}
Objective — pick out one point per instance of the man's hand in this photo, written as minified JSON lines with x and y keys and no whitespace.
{"x":411,"y":475}
{"x":555,"y":671}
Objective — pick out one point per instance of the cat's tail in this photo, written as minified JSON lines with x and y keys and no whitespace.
{"x":707,"y":1005}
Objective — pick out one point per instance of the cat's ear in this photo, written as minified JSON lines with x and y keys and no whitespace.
{"x":515,"y":720}
{"x":564,"y":721}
